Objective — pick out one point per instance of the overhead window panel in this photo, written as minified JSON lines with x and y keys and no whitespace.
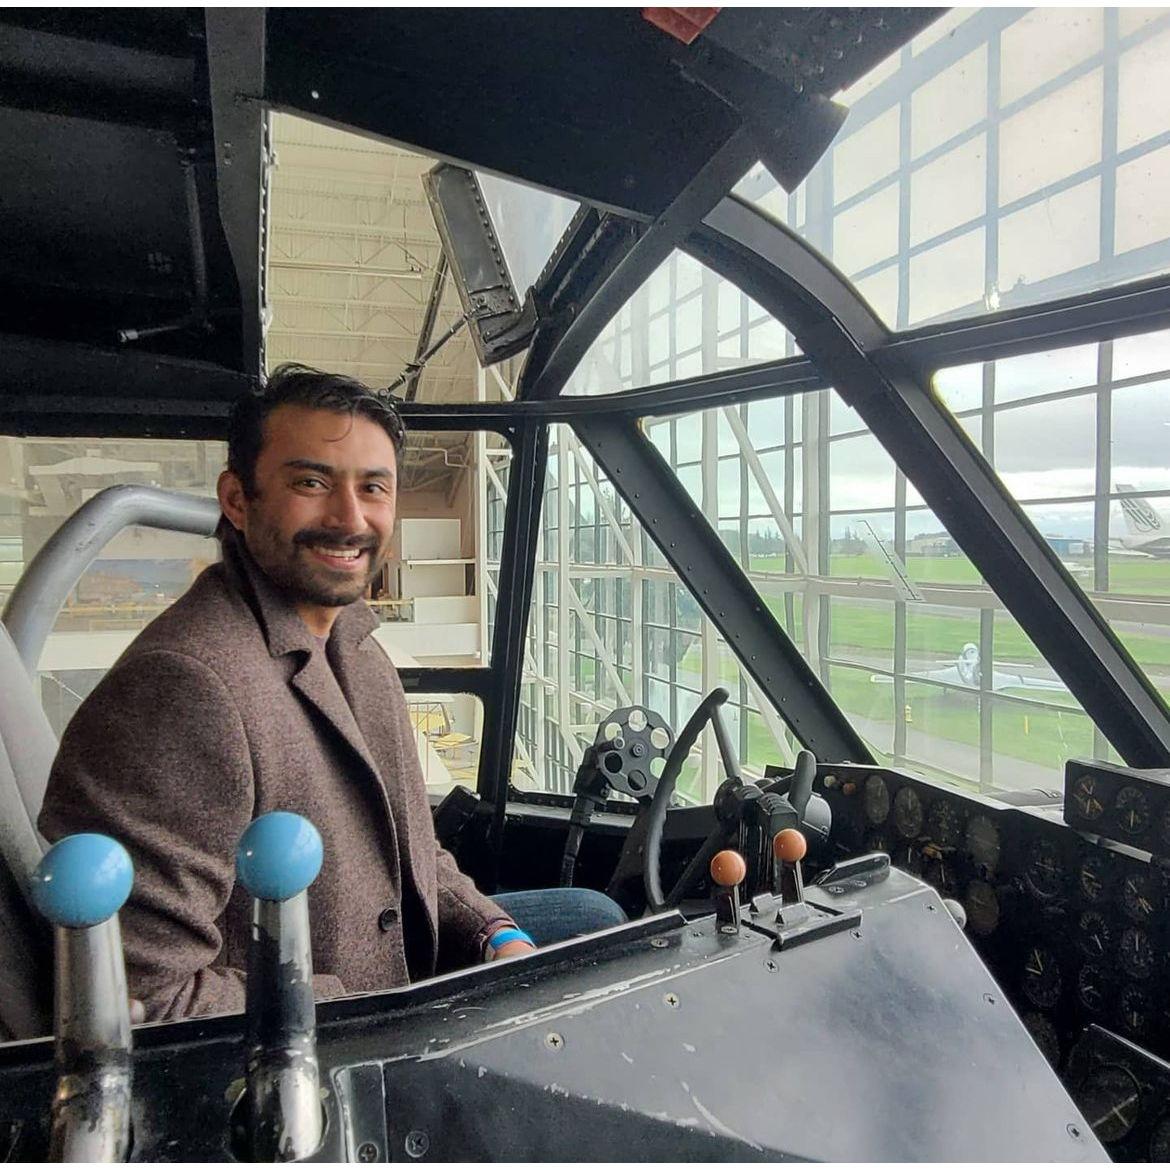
{"x":949,"y":192}
{"x":947,"y":278}
{"x":1140,"y":435}
{"x":1143,"y":98}
{"x":881,"y":292}
{"x":1147,"y":353}
{"x":1052,"y":138}
{"x":1057,"y":235}
{"x":1044,"y":44}
{"x":1143,"y":201}
{"x":867,"y":232}
{"x":863,"y":158}
{"x":946,"y":105}
{"x":1032,"y":374}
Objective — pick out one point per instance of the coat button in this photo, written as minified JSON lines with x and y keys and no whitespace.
{"x":388,"y":918}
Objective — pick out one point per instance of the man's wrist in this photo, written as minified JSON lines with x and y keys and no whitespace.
{"x":502,"y":937}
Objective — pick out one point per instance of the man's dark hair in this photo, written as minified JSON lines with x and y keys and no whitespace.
{"x":296,"y":385}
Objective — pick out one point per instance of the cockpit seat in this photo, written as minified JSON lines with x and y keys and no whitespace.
{"x":27,"y":748}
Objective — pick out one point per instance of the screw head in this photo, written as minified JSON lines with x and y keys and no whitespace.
{"x":670,"y":999}
{"x":659,"y":943}
{"x":1073,"y":1130}
{"x":771,"y":964}
{"x":555,"y":1041}
{"x":417,"y":1143}
{"x":367,"y":1152}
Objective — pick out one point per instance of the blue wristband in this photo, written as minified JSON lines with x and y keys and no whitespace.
{"x":508,"y":934}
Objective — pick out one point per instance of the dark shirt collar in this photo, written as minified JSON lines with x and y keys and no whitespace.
{"x":283,"y":627}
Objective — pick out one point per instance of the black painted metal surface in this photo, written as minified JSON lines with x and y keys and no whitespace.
{"x":661,"y":1040}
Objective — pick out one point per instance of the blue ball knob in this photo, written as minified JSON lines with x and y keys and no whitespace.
{"x":278,"y":856}
{"x":82,"y":880}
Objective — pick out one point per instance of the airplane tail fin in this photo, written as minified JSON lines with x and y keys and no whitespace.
{"x":1139,"y":515}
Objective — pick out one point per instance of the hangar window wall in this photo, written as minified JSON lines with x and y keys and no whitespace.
{"x":1004,"y":158}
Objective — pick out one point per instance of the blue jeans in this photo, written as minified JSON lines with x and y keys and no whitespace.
{"x":551,"y":916}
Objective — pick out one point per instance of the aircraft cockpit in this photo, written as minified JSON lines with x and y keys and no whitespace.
{"x":783,"y":549}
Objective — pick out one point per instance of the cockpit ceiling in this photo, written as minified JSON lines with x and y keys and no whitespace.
{"x":138,"y":230}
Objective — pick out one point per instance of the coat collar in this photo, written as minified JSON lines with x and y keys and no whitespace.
{"x":284,"y":631}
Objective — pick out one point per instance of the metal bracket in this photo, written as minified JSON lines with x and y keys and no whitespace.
{"x":791,"y":928}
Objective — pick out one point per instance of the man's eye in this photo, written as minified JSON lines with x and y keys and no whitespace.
{"x":378,"y":488}
{"x":310,"y":481}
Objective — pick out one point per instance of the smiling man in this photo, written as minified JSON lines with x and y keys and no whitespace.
{"x":262,"y":688}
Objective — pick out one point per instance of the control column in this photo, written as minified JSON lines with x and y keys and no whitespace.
{"x":278,"y":858}
{"x":80,"y":885}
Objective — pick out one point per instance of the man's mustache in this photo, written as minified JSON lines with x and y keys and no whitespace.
{"x":311,"y":536}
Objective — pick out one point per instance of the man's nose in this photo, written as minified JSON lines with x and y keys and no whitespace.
{"x":345,"y":509}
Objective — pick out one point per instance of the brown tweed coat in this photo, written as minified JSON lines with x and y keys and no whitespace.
{"x":226,"y":707}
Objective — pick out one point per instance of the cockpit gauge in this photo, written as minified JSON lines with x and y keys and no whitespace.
{"x":1160,"y":1141}
{"x":1087,"y":796}
{"x":1093,"y":986}
{"x":1141,"y":895}
{"x":1046,"y":1036}
{"x":1093,"y":878}
{"x":1137,"y":1006}
{"x":877,"y":800}
{"x":1131,"y":810}
{"x":908,"y":812}
{"x":1137,"y":952}
{"x":1094,"y":934}
{"x":944,"y":825}
{"x":1110,"y":1099}
{"x":982,"y":906}
{"x":1042,"y":981}
{"x":1045,"y":869}
{"x":983,"y":842}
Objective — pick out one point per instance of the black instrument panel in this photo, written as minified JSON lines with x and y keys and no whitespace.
{"x":1073,"y":928}
{"x":1129,"y":805}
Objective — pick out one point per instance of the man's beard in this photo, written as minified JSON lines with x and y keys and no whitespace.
{"x":313,"y":583}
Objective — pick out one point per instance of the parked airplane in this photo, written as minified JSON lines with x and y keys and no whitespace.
{"x":966,"y":671}
{"x":1147,"y":530}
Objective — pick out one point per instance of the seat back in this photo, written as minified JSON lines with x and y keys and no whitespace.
{"x":27,"y":748}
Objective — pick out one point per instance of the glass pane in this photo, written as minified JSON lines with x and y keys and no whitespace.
{"x":1100,"y":497}
{"x":528,"y":222}
{"x":684,"y":321}
{"x":977,"y":170}
{"x":879,"y":599}
{"x":611,"y":626}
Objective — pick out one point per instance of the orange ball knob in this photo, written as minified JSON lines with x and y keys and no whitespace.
{"x":789,"y":845}
{"x":728,"y":868}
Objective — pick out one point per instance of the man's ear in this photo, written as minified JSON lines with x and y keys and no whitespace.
{"x":232,"y":500}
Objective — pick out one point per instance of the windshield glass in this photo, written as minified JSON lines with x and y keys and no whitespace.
{"x":911,"y":642}
{"x":1003,"y":158}
{"x":611,"y":625}
{"x":1098,"y":486}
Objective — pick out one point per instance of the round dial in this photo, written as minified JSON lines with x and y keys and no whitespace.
{"x":1094,"y":934}
{"x":945,"y":824}
{"x":877,"y":800}
{"x":1136,"y":1009}
{"x":982,"y":906}
{"x":1137,"y":952}
{"x":983,"y":842}
{"x":1109,"y":1098}
{"x":1131,"y":810}
{"x":1141,"y":895}
{"x":1046,"y":1036}
{"x":1160,"y":1141}
{"x":1044,"y":871}
{"x":908,"y":812}
{"x":1093,"y":879}
{"x":1042,"y":982}
{"x":1093,"y":986}
{"x":1087,"y":797}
